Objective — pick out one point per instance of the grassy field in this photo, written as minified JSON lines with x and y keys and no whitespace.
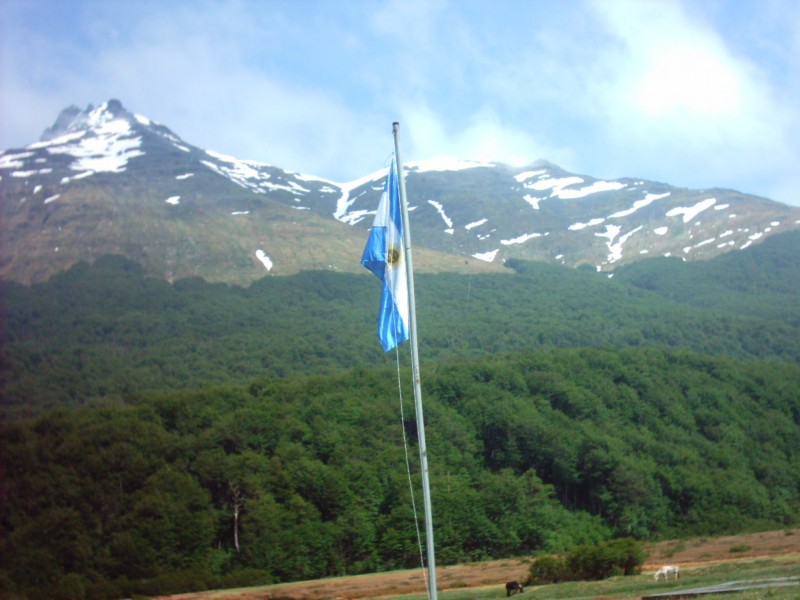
{"x":635,"y":587}
{"x":703,"y":562}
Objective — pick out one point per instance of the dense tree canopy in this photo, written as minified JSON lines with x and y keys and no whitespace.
{"x":158,"y":438}
{"x":306,"y":475}
{"x":107,"y":330}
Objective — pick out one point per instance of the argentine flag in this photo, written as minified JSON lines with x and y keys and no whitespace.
{"x":385,"y":257}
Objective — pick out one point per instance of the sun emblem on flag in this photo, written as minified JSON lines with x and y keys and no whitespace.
{"x":394,"y":256}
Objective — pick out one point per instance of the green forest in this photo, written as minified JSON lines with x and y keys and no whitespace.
{"x":304,"y":477}
{"x":162,"y":438}
{"x":105,"y":329}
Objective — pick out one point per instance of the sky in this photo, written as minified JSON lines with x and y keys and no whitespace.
{"x":695,"y":93}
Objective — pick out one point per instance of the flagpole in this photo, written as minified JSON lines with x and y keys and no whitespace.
{"x":423,"y":452}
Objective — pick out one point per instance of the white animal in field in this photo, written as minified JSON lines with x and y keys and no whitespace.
{"x":665,"y":572}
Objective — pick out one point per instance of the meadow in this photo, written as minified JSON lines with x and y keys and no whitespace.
{"x":768,"y":559}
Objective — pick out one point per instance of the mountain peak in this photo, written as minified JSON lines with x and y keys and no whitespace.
{"x":73,"y":119}
{"x":106,"y":180}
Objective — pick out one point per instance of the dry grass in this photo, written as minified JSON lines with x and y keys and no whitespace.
{"x":685,"y":553}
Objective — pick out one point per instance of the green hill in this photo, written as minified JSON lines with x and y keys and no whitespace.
{"x":107,"y":329}
{"x":160,"y":438}
{"x":528,"y":452}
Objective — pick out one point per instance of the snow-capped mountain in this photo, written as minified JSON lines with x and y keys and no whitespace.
{"x":105,"y":180}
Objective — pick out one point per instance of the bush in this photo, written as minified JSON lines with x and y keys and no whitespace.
{"x":547,"y":569}
{"x":615,"y":557}
{"x":590,"y":562}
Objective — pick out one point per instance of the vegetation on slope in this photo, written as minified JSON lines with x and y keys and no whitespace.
{"x":528,"y":452}
{"x":162,"y":437}
{"x":106,"y":329}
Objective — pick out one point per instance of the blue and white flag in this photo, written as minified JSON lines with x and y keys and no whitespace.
{"x":385,"y":257}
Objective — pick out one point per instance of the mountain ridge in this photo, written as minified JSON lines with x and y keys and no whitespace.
{"x":106,"y":180}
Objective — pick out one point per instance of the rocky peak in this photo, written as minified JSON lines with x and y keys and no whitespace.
{"x":73,"y":119}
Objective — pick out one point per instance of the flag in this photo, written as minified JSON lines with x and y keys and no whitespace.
{"x":384,"y":255}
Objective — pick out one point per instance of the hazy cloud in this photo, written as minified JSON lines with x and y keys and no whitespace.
{"x":696,"y":94}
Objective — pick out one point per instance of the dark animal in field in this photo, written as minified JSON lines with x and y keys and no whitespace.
{"x":513,"y":587}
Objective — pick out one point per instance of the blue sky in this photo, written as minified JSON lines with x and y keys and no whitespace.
{"x":700,"y":94}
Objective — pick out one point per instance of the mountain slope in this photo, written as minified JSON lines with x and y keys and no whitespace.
{"x":105,"y":180}
{"x":108,"y":181}
{"x":768,"y":276}
{"x":106,"y":329}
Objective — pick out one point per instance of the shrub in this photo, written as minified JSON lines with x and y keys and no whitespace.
{"x":616,"y":557}
{"x":628,"y":553}
{"x":547,"y":569}
{"x":590,"y":562}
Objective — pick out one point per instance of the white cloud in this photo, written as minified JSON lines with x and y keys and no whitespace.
{"x":672,"y":65}
{"x":697,"y":94}
{"x":482,"y":137}
{"x":683,"y":100}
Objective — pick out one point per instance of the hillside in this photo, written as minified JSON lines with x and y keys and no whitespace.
{"x":486,"y":578}
{"x":174,"y":415}
{"x":107,"y":329}
{"x":305,"y":475}
{"x":108,"y":181}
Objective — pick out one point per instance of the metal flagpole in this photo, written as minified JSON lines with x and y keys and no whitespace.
{"x":423,"y":452}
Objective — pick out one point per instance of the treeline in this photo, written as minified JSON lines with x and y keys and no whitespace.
{"x":305,"y":477}
{"x":107,"y":330}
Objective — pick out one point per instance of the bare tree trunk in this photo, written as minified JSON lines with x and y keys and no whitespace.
{"x":237,"y":501}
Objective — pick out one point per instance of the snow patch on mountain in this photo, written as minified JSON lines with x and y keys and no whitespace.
{"x":107,"y":147}
{"x":264,"y":259}
{"x":66,"y":180}
{"x":521,"y":239}
{"x":556,"y":184}
{"x":440,"y":209}
{"x":474,"y":224}
{"x":345,"y":201}
{"x":486,"y":256}
{"x":61,"y":140}
{"x":594,"y":188}
{"x":532,"y":200}
{"x":525,"y":175}
{"x":244,"y":173}
{"x":615,"y":248}
{"x":648,"y":199}
{"x":592,"y":223}
{"x":73,"y":120}
{"x":14,"y":161}
{"x":690,"y":212}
